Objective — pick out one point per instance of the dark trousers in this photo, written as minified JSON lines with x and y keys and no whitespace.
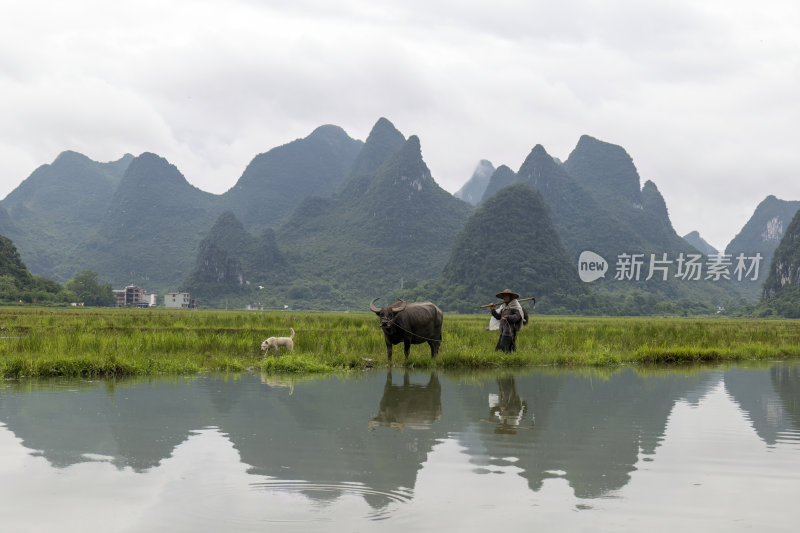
{"x":507,"y":343}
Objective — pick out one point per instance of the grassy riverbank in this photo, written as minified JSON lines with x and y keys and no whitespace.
{"x":36,"y":342}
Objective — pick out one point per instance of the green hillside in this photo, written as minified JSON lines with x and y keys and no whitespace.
{"x":383,"y":142}
{"x":382,"y":231}
{"x":503,"y":176}
{"x":235,"y":265}
{"x":581,"y":222}
{"x":606,"y":171}
{"x":608,"y":174}
{"x":761,"y":235}
{"x":275,"y":182}
{"x":581,"y":208}
{"x":145,"y":226}
{"x":603,"y":210}
{"x":150,"y":234}
{"x":18,"y":285}
{"x":53,"y":213}
{"x":508,"y":242}
{"x":781,"y":296}
{"x":331,"y":222}
{"x":390,"y":225}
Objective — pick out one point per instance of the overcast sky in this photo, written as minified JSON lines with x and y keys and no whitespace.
{"x":701,"y":93}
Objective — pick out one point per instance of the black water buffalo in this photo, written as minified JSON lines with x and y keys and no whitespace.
{"x":412,"y":323}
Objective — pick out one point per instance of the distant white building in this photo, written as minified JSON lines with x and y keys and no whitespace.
{"x":179,"y":300}
{"x":133,"y":296}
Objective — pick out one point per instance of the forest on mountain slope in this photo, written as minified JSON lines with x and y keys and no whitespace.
{"x":330,"y":222}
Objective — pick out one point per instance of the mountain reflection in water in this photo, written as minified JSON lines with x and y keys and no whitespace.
{"x":369,"y":436}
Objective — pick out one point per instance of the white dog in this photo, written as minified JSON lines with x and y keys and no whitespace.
{"x":276,"y":342}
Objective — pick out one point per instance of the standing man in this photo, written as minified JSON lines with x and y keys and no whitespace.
{"x":509,"y":316}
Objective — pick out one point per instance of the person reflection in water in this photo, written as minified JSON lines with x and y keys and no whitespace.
{"x":507,"y":407}
{"x":509,"y":317}
{"x":409,"y":406}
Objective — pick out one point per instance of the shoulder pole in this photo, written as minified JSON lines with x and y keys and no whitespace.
{"x":518,"y":299}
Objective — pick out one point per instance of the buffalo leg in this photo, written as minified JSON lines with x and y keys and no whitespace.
{"x":434,"y":348}
{"x":389,"y":350}
{"x":407,"y":347}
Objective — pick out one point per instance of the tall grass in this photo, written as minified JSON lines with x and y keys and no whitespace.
{"x":38,"y":342}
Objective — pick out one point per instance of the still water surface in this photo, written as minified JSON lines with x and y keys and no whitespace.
{"x":714,"y":449}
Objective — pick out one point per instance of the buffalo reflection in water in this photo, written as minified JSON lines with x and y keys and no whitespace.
{"x":409,"y":406}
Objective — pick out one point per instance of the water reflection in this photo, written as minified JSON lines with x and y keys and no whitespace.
{"x":766,"y":398}
{"x":409,"y":406}
{"x":506,"y":409}
{"x":136,"y":426}
{"x":786,"y":380}
{"x":368,"y":438}
{"x":590,"y":429}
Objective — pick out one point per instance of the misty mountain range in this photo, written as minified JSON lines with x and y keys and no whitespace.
{"x":330,"y":222}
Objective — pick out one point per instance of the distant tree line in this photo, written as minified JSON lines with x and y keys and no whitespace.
{"x":18,"y":285}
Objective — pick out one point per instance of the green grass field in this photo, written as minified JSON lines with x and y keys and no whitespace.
{"x":92,"y":342}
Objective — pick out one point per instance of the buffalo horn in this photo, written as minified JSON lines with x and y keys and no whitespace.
{"x":397,"y":309}
{"x":372,"y":306}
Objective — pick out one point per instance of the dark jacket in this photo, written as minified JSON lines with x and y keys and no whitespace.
{"x":513,"y":322}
